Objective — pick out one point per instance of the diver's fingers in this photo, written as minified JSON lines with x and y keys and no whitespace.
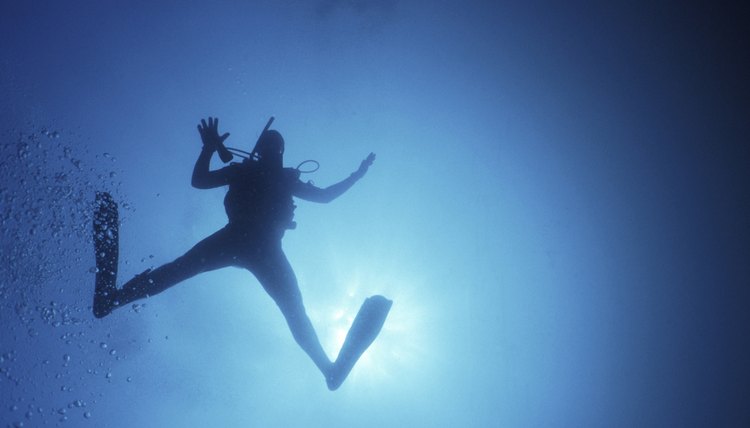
{"x":224,"y":137}
{"x":203,"y":122}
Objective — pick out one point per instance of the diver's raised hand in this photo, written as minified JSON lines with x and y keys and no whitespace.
{"x":364,"y":166}
{"x":210,"y":133}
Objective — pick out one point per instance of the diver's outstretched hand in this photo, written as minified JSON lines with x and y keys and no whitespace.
{"x":364,"y":166}
{"x":210,"y":133}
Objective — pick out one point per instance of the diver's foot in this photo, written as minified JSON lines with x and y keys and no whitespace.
{"x":110,"y":298}
{"x":334,"y":379}
{"x":365,"y":328}
{"x":105,"y":301}
{"x":136,"y":288}
{"x":106,"y":251}
{"x":328,"y":374}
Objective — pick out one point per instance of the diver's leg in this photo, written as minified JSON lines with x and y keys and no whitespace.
{"x":278,"y":279}
{"x":211,"y":253}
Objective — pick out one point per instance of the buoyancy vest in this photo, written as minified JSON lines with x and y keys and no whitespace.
{"x":261,"y":198}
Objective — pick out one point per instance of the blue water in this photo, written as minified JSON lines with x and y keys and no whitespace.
{"x":559,"y":210}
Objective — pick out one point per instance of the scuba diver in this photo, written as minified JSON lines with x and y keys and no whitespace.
{"x":260,"y":208}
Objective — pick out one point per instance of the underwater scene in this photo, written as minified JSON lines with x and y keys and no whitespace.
{"x":358,"y":213}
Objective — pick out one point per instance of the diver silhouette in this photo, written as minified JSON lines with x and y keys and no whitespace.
{"x":260,"y":208}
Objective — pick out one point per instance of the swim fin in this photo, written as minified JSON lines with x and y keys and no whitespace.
{"x":364,"y":330}
{"x":106,"y":249}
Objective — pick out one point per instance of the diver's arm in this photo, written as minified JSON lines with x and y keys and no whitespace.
{"x":311,"y":193}
{"x":202,"y":177}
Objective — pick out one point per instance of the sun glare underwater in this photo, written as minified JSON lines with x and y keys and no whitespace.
{"x":558,"y":209}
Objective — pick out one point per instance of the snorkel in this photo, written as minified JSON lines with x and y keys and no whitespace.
{"x":227,"y":153}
